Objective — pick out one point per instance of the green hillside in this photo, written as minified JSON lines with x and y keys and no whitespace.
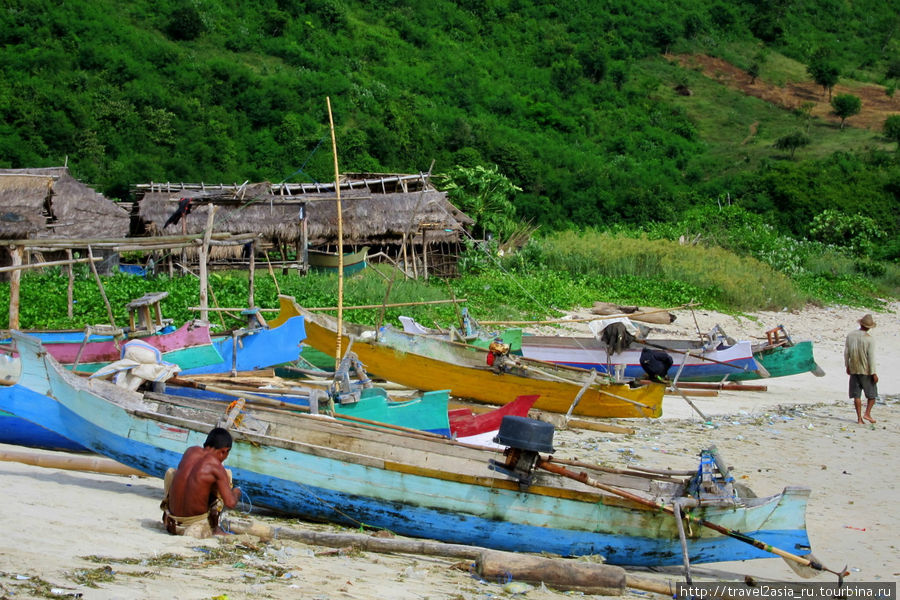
{"x":574,"y":102}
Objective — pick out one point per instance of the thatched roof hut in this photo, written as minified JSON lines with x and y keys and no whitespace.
{"x":375,"y":211}
{"x":50,"y":203}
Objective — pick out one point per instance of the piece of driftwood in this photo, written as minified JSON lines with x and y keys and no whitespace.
{"x":488,"y":561}
{"x":636,"y":313}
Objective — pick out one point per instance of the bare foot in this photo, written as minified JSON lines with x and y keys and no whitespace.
{"x":869,"y":419}
{"x":861,"y":422}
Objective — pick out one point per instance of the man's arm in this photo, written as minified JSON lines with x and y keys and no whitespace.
{"x":229,"y":495}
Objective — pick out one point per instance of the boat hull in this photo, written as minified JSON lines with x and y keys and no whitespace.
{"x":190,"y":346}
{"x":346,"y":474}
{"x":783,"y":361}
{"x":258,"y":348}
{"x":590,"y":353}
{"x":426,"y":363}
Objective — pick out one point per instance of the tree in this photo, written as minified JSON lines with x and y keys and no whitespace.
{"x":892,"y":129}
{"x":792,"y":141}
{"x":846,"y":105}
{"x":824,"y":73}
{"x":805,"y":112}
{"x":486,"y":195}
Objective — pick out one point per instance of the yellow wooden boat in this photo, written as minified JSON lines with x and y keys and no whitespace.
{"x":427,"y":363}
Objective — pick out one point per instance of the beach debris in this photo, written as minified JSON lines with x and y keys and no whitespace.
{"x":65,"y":592}
{"x":517,"y":587}
{"x":856,"y":528}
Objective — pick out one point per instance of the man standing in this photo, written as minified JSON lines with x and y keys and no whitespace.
{"x":200,"y":488}
{"x":859,"y":358}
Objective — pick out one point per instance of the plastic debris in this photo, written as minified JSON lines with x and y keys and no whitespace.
{"x":517,"y":587}
{"x":856,"y":528}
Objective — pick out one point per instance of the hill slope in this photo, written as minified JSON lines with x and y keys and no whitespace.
{"x":574,"y":103}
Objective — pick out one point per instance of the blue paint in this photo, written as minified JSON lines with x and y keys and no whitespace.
{"x":260,"y":349}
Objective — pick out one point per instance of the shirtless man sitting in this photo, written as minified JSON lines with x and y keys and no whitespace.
{"x":200,"y":488}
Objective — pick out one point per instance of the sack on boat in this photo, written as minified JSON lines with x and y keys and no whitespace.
{"x":140,"y":362}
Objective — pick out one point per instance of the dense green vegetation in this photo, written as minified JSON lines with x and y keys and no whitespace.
{"x":567,"y":118}
{"x":573,"y":103}
{"x":720,"y":258}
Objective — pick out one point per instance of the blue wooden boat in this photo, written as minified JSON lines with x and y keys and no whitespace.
{"x":318,"y":468}
{"x":258,"y":347}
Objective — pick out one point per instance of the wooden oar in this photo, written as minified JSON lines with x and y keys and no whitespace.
{"x":760,"y":370}
{"x":587,"y":480}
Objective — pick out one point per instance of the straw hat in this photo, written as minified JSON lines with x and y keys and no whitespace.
{"x":867,"y":321}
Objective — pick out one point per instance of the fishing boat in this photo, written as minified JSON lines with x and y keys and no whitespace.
{"x":258,"y":346}
{"x":189,"y":346}
{"x":469,"y":332}
{"x":319,"y":468}
{"x":427,"y":363}
{"x":373,"y":405}
{"x":481,"y":428}
{"x":328,"y":261}
{"x":782,"y":356}
{"x":691,"y":360}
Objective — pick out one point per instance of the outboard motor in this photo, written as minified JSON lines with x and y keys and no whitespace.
{"x":524,"y":438}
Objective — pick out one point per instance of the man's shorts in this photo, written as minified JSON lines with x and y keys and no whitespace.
{"x":863,"y":383}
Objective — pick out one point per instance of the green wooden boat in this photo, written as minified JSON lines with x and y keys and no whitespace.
{"x":328,"y":261}
{"x":782,"y":361}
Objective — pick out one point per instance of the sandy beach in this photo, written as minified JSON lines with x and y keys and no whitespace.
{"x":69,"y":532}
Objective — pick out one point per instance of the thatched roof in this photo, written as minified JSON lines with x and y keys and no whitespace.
{"x":50,"y":203}
{"x":368,"y":216}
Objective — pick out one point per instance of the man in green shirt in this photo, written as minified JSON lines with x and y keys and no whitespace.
{"x":859,"y":358}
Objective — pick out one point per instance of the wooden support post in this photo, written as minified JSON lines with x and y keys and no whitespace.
{"x":109,"y":312}
{"x":204,"y":256}
{"x":70,"y":288}
{"x":424,"y":255}
{"x":15,"y":281}
{"x":251,"y":300}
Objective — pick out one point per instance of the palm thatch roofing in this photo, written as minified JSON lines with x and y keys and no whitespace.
{"x":377,"y":210}
{"x":50,"y":203}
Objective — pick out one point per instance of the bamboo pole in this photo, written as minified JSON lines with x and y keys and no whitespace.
{"x":109,"y":312}
{"x":15,"y":286}
{"x":272,"y":274}
{"x":340,"y":240}
{"x":581,"y":320}
{"x":51,"y":263}
{"x":357,"y":307}
{"x":70,"y":462}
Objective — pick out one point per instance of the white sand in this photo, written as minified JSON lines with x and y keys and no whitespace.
{"x":802,"y":431}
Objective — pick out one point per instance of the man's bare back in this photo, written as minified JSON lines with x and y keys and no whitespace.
{"x":201,"y":478}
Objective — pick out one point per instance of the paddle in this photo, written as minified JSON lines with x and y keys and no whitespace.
{"x":760,"y":370}
{"x":587,"y":480}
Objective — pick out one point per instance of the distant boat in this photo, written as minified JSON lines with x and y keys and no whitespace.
{"x":328,"y":261}
{"x":318,"y":468}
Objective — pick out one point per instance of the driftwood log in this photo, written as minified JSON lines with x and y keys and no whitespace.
{"x":635,"y":313}
{"x":559,"y":573}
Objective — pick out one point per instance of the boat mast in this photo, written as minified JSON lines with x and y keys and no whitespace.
{"x":340,"y":241}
